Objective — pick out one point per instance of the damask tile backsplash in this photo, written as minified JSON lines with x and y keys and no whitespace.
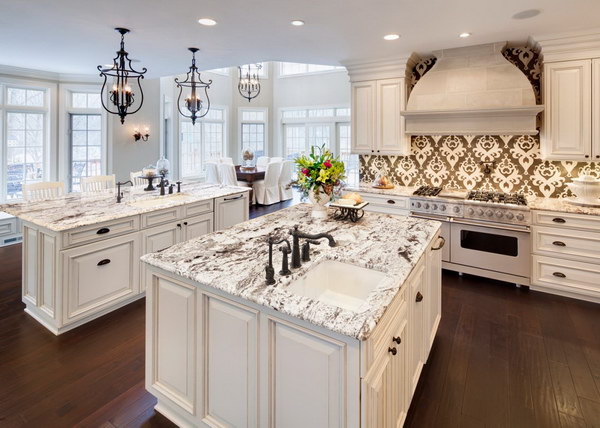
{"x":454,"y":162}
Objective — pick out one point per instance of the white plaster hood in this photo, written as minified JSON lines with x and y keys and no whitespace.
{"x":472,"y":90}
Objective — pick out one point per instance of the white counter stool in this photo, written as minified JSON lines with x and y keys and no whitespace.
{"x":266,"y":192}
{"x":136,"y":178}
{"x":97,"y":183}
{"x":285,"y":191}
{"x":43,"y":190}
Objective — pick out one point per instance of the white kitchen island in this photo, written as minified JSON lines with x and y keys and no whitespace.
{"x":81,"y":252}
{"x":223,"y":348}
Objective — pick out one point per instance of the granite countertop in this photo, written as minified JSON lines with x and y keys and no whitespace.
{"x":77,"y":209}
{"x":234,"y":260}
{"x":561,"y":205}
{"x":396,"y":191}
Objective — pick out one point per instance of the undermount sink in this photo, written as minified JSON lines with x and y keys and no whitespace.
{"x":161,"y":200}
{"x":339,"y":284}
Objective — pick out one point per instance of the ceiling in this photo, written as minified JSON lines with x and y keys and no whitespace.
{"x":74,"y":36}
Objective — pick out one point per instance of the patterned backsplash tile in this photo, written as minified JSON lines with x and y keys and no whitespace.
{"x":453,"y":162}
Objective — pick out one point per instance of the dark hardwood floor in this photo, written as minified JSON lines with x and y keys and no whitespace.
{"x":502,"y":357}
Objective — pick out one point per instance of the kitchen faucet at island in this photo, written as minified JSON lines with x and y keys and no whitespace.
{"x":296,"y":235}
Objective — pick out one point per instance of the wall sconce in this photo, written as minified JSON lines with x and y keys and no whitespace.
{"x":137,"y":135}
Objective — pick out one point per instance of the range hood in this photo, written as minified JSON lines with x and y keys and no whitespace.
{"x":472,"y":90}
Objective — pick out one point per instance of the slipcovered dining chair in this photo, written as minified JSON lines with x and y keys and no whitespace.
{"x":266,"y":192}
{"x":212,"y":173}
{"x":285,"y":191}
{"x":276,"y":159}
{"x":136,"y":178}
{"x":262,"y":162}
{"x":227,"y":174}
{"x":43,"y":190}
{"x":227,"y":160}
{"x":97,"y":183}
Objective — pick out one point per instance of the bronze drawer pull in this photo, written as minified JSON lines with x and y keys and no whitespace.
{"x":441,"y":245}
{"x":559,"y":275}
{"x":233,"y":199}
{"x":397,"y":339}
{"x":393,"y":350}
{"x":103,"y":231}
{"x":559,"y":244}
{"x":391,"y":201}
{"x":103,"y":262}
{"x":419,"y":297}
{"x":559,"y":220}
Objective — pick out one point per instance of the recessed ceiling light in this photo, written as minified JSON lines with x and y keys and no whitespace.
{"x":526,"y":14}
{"x":297,"y":23}
{"x":391,"y":37}
{"x":464,"y":35}
{"x":207,"y":21}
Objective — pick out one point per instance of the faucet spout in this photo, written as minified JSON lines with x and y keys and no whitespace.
{"x":297,"y":234}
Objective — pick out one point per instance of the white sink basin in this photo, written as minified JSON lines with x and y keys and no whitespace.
{"x":339,"y":284}
{"x":161,"y":200}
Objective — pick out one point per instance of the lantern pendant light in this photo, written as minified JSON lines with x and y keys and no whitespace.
{"x":195,"y":105}
{"x":121,"y":97}
{"x":249,"y":84}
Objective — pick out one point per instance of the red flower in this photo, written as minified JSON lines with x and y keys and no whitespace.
{"x":327,"y":164}
{"x":305,"y":172}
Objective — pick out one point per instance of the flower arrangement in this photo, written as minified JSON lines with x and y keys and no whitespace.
{"x":319,"y":171}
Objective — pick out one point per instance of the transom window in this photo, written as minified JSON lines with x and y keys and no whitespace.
{"x":296,"y":69}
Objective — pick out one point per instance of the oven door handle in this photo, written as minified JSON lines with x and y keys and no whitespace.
{"x":429,"y":217}
{"x":493,"y":226}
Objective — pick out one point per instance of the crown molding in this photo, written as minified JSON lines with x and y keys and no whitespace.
{"x":28,"y":73}
{"x":387,"y":68}
{"x":573,"y":45}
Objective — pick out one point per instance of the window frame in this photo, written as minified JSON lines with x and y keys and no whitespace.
{"x":282,"y":75}
{"x":240,"y":122}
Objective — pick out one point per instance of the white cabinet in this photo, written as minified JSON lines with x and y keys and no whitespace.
{"x":596,"y":109}
{"x":194,"y":227}
{"x":231,"y":210}
{"x":417,"y":333}
{"x":433,"y":307}
{"x":377,"y":126}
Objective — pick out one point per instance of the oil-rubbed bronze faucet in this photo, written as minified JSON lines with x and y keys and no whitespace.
{"x":119,"y":193}
{"x":296,"y":235}
{"x":269,"y":270}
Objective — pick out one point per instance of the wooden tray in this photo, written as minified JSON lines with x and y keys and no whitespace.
{"x":391,"y":186}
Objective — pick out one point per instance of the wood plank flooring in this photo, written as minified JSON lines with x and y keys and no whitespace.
{"x":503,"y":357}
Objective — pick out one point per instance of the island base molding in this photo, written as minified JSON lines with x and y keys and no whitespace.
{"x":214,"y":359}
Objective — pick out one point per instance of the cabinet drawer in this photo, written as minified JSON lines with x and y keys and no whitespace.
{"x":8,"y":226}
{"x":386,"y":204}
{"x":160,"y":217}
{"x":576,"y":279}
{"x":97,"y":232}
{"x":567,"y":220}
{"x":197,"y":208}
{"x":567,"y":243}
{"x":100,"y":275}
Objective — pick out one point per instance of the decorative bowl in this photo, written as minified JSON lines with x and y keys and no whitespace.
{"x":586,"y":188}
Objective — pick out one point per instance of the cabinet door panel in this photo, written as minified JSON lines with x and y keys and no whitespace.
{"x":417,"y":331}
{"x":230,"y":364}
{"x":231,"y":210}
{"x":433,"y":305}
{"x":363,"y":117}
{"x":596,"y":109}
{"x":156,"y":239}
{"x":198,"y":226}
{"x":306,"y":386}
{"x":390,"y":129}
{"x":568,"y":110}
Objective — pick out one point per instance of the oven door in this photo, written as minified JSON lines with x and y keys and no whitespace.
{"x":444,"y":232}
{"x":503,"y":249}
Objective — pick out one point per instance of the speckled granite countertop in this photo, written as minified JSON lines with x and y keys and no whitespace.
{"x":234,"y":260}
{"x":396,"y":191}
{"x":77,"y":209}
{"x":561,"y":205}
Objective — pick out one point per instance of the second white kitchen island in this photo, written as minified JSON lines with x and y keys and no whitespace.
{"x":81,"y":252}
{"x":338,"y":343}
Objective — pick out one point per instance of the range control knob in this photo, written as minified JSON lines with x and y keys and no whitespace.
{"x":442,"y":207}
{"x":489,"y":213}
{"x":499,"y":214}
{"x":434,"y":206}
{"x":456,"y":210}
{"x":520,"y":217}
{"x":479,"y":211}
{"x":470,"y":211}
{"x":426,"y":206}
{"x":509,"y":215}
{"x":418,"y":204}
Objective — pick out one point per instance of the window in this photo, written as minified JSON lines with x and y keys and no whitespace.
{"x":253,"y":126}
{"x":201,"y":142}
{"x":296,"y":69}
{"x":86,"y":147}
{"x":262,"y":71}
{"x":85,"y":100}
{"x":24,"y":140}
{"x":319,"y":135}
{"x":295,"y":140}
{"x":350,"y":160}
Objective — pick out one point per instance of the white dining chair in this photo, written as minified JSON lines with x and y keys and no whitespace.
{"x":212,"y":173}
{"x":97,"y":183}
{"x":276,"y":159}
{"x":285,"y":191}
{"x":136,"y":178}
{"x":43,"y":190}
{"x":228,"y":175}
{"x":266,"y":192}
{"x":227,"y":160}
{"x":262,"y":162}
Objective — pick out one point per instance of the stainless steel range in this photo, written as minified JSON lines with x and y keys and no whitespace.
{"x":487,"y":232}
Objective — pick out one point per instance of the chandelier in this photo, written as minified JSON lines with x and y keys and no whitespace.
{"x":249,"y":84}
{"x":121,"y":97}
{"x":193,"y":102}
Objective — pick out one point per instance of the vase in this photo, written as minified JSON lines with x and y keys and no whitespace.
{"x":319,"y":199}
